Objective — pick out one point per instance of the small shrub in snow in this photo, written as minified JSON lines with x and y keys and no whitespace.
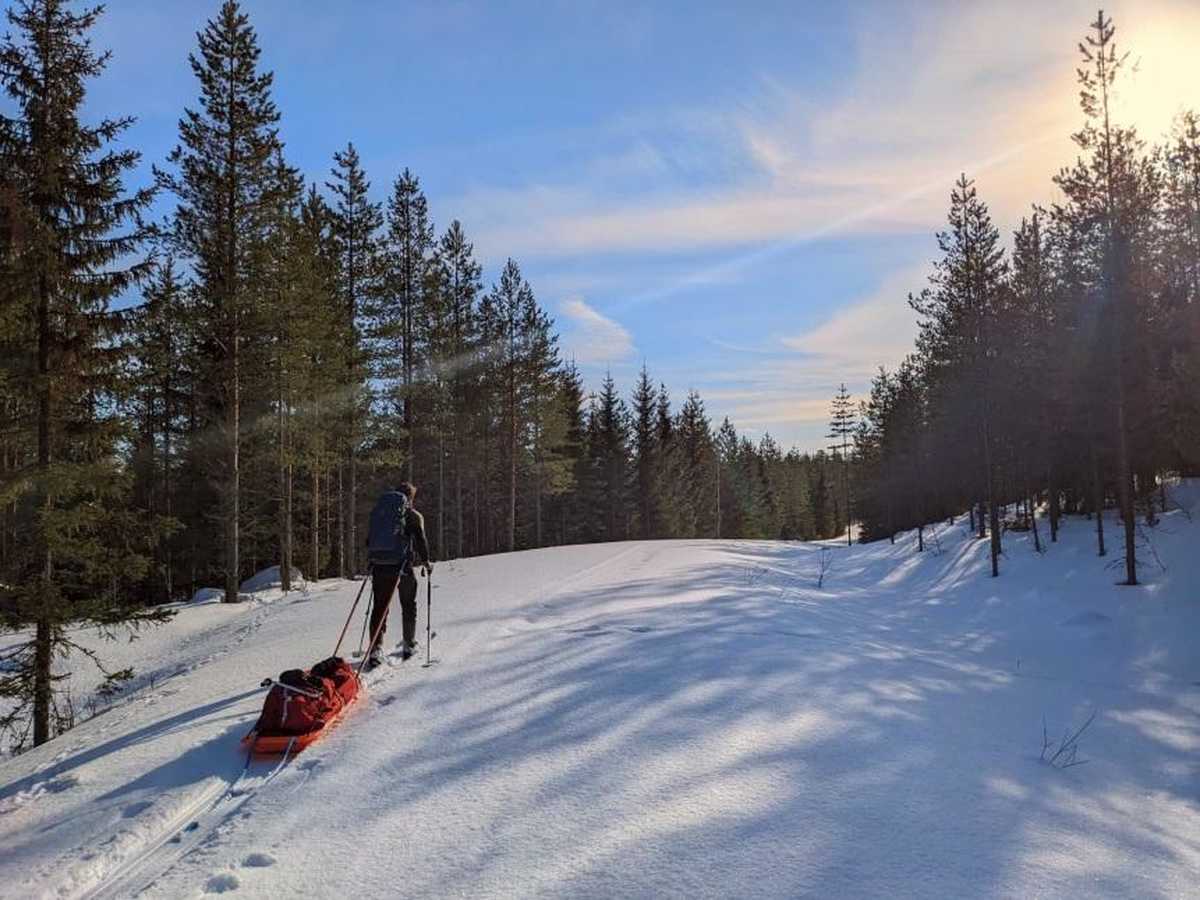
{"x":1064,"y":753}
{"x":824,"y":562}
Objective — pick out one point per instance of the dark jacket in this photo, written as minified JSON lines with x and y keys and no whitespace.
{"x":414,"y":530}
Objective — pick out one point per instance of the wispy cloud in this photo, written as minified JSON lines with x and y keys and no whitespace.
{"x":787,"y":390}
{"x":589,"y":337}
{"x":928,"y":101}
{"x":877,"y":330}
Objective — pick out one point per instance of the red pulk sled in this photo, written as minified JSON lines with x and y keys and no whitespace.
{"x":305,"y":702}
{"x":301,"y":705}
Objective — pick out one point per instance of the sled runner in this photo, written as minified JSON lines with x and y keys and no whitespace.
{"x":301,"y":705}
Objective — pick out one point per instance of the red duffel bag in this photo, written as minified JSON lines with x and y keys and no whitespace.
{"x":304,"y":701}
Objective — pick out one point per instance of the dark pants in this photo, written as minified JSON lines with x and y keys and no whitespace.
{"x":383,"y":583}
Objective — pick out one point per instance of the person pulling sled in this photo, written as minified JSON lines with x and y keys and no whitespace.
{"x":395,"y":540}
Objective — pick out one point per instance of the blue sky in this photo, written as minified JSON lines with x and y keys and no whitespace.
{"x":740,"y":195}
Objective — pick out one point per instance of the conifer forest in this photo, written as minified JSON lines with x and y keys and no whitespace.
{"x":188,"y":398}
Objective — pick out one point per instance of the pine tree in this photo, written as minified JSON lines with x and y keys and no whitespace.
{"x":410,"y":242}
{"x":73,"y":243}
{"x":318,"y":380}
{"x":959,"y":338}
{"x":841,"y":429}
{"x":539,"y":383}
{"x":1179,"y":359}
{"x":225,"y":184}
{"x":355,"y":223}
{"x":501,"y":315}
{"x":1110,"y":195}
{"x":460,"y":283}
{"x":1033,"y":327}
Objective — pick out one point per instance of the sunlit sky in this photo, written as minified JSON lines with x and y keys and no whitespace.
{"x":739,"y":195}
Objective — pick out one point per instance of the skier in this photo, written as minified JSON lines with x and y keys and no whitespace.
{"x":385,"y":572}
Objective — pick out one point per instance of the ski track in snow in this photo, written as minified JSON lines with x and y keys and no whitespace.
{"x":675,"y":718}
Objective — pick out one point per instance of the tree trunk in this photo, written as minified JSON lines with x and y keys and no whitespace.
{"x":458,"y":491}
{"x":169,"y":499}
{"x":315,"y":565}
{"x":351,"y":527}
{"x":285,"y":513}
{"x":1033,"y":525}
{"x":1055,"y":508}
{"x":1125,"y":476}
{"x":1097,"y":498}
{"x":512,"y":459}
{"x":993,"y":510}
{"x":329,"y":509}
{"x":43,"y":639}
{"x":233,"y":485}
{"x":441,"y":544}
{"x":341,"y":535}
{"x":287,"y":545}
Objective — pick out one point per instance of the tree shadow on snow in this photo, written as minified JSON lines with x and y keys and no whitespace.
{"x":731,"y":730}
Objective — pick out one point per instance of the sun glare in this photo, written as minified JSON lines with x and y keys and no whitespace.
{"x":1162,"y":77}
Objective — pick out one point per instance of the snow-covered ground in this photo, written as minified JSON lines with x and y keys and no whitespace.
{"x":664,"y":719}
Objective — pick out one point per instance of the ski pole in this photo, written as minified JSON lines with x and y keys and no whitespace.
{"x":363,"y":635}
{"x":375,"y":637}
{"x":358,"y":597}
{"x":428,"y":614}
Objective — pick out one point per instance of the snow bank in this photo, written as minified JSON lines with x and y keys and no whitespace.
{"x":207,"y":595}
{"x":270,"y":578}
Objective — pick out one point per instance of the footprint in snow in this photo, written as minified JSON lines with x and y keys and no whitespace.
{"x":220,"y":884}
{"x":258,"y":861}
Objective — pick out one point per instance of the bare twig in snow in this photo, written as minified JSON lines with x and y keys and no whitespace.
{"x":1065,"y":753}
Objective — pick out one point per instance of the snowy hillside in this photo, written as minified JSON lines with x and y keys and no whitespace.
{"x":679,"y":718}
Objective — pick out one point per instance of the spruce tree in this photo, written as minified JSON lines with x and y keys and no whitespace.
{"x":73,"y":242}
{"x":667,"y":475}
{"x":610,"y":453}
{"x":697,"y":469}
{"x":223,"y":177}
{"x":571,"y":503}
{"x":645,"y":436}
{"x":162,"y":379}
